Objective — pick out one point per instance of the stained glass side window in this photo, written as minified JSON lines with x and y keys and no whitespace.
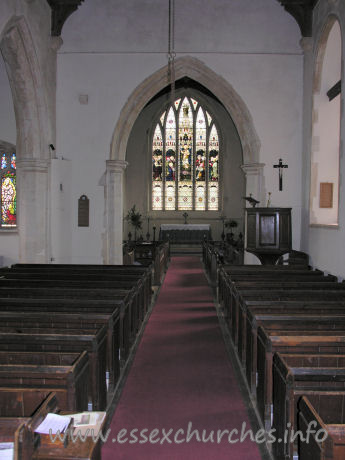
{"x":8,"y":194}
{"x":13,"y":161}
{"x":3,"y":161}
{"x":185,"y":159}
{"x":157,"y":170}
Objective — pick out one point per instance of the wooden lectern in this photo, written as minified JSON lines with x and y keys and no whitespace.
{"x":268,"y":233}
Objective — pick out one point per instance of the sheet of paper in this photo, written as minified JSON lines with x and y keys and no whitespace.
{"x":53,"y":422}
{"x":6,"y":450}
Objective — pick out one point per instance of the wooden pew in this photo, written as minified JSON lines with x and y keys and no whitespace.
{"x":121,"y":280}
{"x":322,"y":411}
{"x":115,"y":314}
{"x":295,"y":376}
{"x":293,"y":341}
{"x":279,"y":317}
{"x":133,"y":288}
{"x":33,"y":446}
{"x":20,"y":429}
{"x":33,"y":374}
{"x":240,"y":290}
{"x":301,"y":292}
{"x":239,"y":334}
{"x":258,"y":281}
{"x":226,"y":278}
{"x":94,"y":272}
{"x":77,"y":300}
{"x":30,"y":314}
{"x":87,"y":272}
{"x":215,"y":257}
{"x":72,"y":340}
{"x":226,"y":272}
{"x":15,"y":430}
{"x":157,"y":253}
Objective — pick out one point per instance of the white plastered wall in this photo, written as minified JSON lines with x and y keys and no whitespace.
{"x":111,"y":47}
{"x":324,"y":244}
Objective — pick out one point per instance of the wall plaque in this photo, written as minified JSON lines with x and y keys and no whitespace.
{"x":326,"y":195}
{"x":83,"y":211}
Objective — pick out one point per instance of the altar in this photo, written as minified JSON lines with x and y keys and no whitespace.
{"x":185,"y":233}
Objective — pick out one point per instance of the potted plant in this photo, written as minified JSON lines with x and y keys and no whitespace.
{"x":133,"y":218}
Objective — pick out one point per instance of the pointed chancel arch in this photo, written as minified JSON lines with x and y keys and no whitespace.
{"x":33,"y":137}
{"x":195,"y":70}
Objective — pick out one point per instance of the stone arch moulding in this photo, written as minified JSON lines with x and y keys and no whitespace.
{"x":33,"y":131}
{"x":28,"y":93}
{"x":318,"y":156}
{"x":195,"y":69}
{"x":320,"y":48}
{"x":184,"y":67}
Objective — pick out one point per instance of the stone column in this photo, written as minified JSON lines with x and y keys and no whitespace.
{"x":113,"y":237}
{"x":254,"y":185}
{"x":32,"y":203}
{"x":308,"y":77}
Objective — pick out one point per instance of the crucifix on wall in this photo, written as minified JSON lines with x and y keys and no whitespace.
{"x":280,"y":166}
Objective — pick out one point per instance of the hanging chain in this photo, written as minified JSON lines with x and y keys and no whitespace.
{"x":171,"y":49}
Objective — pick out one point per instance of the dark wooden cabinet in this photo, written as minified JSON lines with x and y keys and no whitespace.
{"x":268,"y":233}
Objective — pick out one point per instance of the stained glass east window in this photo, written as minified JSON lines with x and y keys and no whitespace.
{"x":8,"y":195}
{"x":185,"y":159}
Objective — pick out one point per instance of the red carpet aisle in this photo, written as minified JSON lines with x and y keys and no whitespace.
{"x":181,"y":379}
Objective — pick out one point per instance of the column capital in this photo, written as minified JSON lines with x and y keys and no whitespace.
{"x":56,"y":43}
{"x":253,"y":168}
{"x":33,"y":164}
{"x":116,"y":165}
{"x":306,"y":43}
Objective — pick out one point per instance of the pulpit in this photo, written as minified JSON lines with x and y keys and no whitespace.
{"x":268,"y":233}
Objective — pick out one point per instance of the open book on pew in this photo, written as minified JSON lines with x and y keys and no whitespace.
{"x":84,"y":423}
